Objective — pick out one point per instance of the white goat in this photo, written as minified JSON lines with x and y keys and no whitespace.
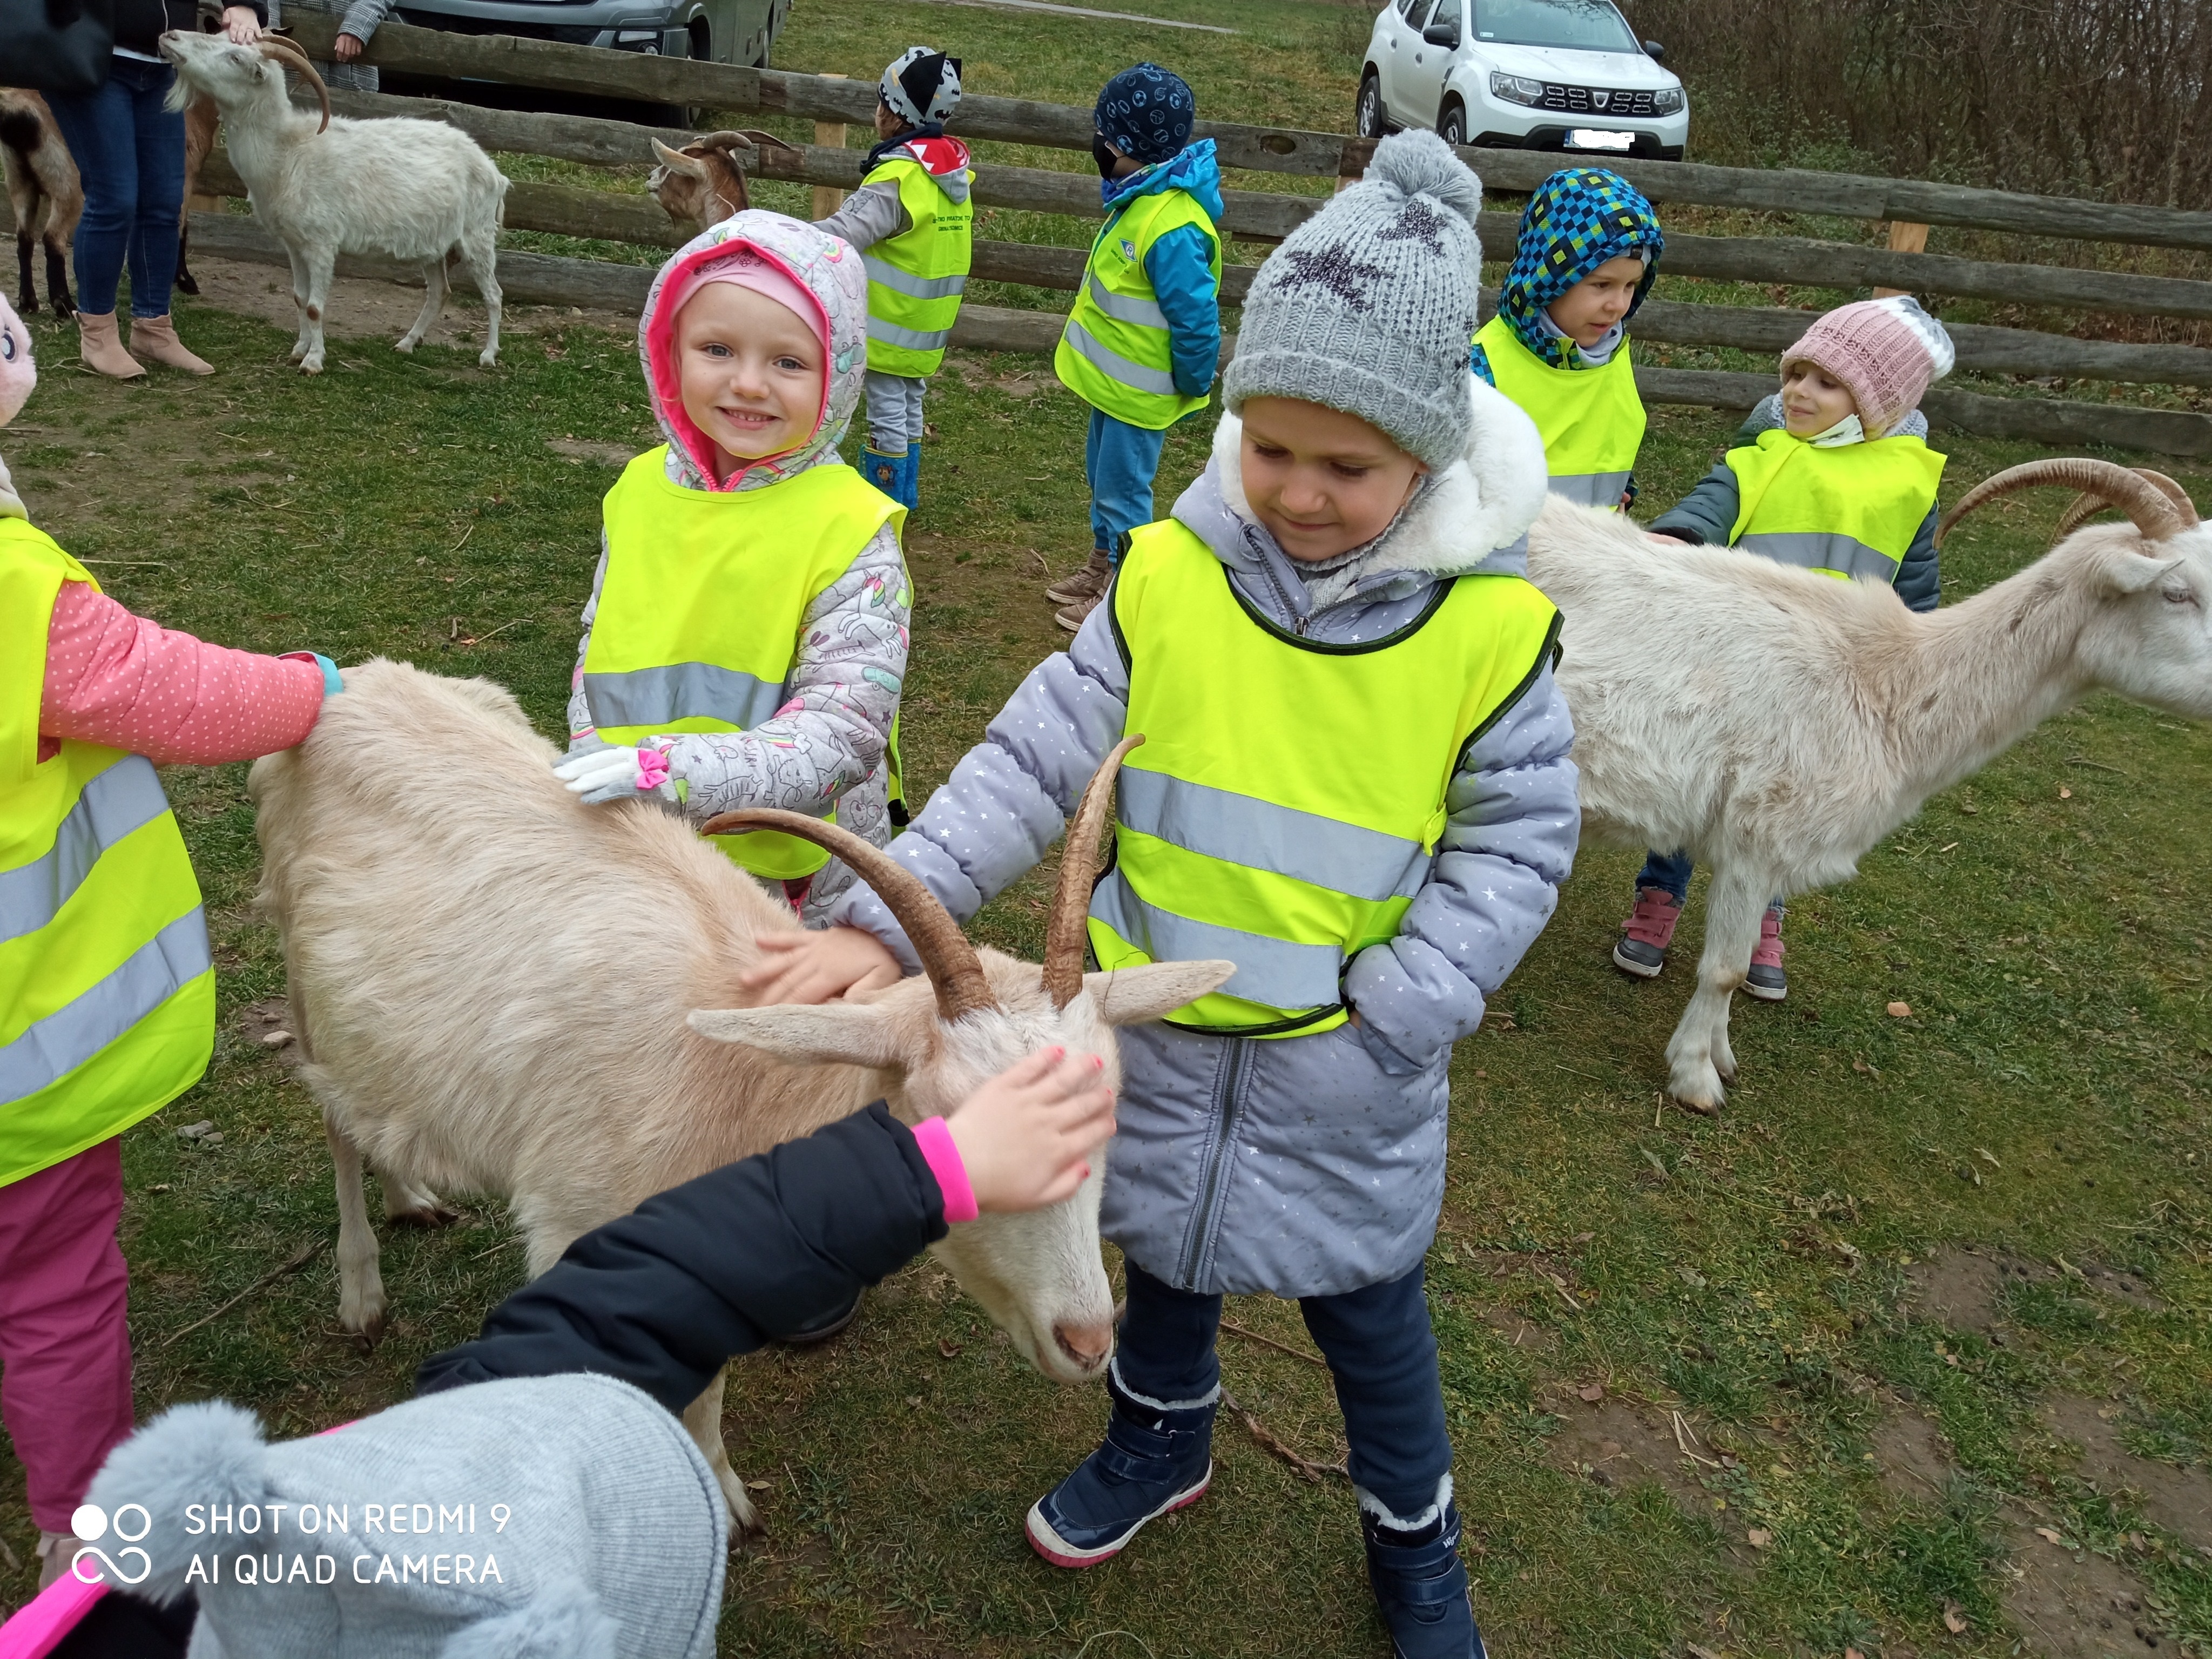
{"x":499,"y":990}
{"x":1776,"y":724}
{"x":419,"y":191}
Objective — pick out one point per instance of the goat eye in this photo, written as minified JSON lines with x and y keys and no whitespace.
{"x":2180,"y":596}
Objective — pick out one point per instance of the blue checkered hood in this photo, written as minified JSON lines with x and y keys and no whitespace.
{"x":1578,"y":218}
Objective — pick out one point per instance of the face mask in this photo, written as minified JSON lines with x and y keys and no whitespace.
{"x":1104,"y":155}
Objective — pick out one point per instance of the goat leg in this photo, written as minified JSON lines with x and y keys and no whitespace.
{"x":298,"y":299}
{"x":406,"y":1204}
{"x":478,"y":257}
{"x":320,"y":263}
{"x":434,"y":304}
{"x":27,"y":297}
{"x":57,"y":288}
{"x":703,"y":1419}
{"x":187,"y":282}
{"x":360,"y":1283}
{"x":1699,"y":1055}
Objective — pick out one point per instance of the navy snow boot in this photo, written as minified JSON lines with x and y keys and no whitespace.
{"x":1422,"y":1590}
{"x":1152,"y":1462}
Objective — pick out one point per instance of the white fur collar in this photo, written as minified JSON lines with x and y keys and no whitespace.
{"x":1483,"y":501}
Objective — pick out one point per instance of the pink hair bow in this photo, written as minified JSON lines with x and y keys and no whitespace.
{"x":651,"y":770}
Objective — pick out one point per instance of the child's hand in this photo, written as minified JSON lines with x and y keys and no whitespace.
{"x":1027,"y":1137}
{"x":818,"y":967}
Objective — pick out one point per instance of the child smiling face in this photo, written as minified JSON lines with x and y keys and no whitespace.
{"x":1813,"y":400}
{"x":751,"y":372}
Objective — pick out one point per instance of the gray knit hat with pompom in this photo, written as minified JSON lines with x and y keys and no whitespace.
{"x":1369,"y":306}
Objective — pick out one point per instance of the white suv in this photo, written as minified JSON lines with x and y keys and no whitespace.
{"x":1565,"y":75}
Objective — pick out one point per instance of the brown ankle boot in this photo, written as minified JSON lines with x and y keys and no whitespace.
{"x":154,"y":338}
{"x":1088,"y":582}
{"x":99,"y":346}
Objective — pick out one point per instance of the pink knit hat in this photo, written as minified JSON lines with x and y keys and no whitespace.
{"x":1886,"y":352}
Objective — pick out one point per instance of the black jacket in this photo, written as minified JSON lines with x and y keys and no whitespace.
{"x":139,"y":23}
{"x":717,"y":1267}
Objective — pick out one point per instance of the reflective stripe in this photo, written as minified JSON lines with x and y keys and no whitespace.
{"x":913,"y":339}
{"x":1590,"y":488}
{"x":920,"y":287}
{"x":1126,"y":307}
{"x":1270,"y":971}
{"x":1220,"y":823}
{"x":73,"y":1033}
{"x":657,"y":697}
{"x":1817,"y":549}
{"x":1115,"y":365}
{"x":125,"y":797}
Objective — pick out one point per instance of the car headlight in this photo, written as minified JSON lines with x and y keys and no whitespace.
{"x":1666,"y":101}
{"x":1517,"y":88}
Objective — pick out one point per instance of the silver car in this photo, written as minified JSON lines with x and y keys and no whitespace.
{"x":739,"y":32}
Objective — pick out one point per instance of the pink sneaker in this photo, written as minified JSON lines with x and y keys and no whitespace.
{"x":1648,"y":932}
{"x":1766,"y":981}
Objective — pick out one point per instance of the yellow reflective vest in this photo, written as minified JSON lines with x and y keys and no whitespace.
{"x":1847,"y":511}
{"x":1591,"y":419}
{"x":1289,"y":797}
{"x":1116,"y":351}
{"x":700,"y":610}
{"x":106,"y":987}
{"x":915,"y":278}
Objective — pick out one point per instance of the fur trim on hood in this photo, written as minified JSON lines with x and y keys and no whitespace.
{"x":1469,"y":517}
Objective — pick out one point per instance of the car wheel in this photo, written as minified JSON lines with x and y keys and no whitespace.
{"x":1367,"y":115}
{"x":1451,"y":125}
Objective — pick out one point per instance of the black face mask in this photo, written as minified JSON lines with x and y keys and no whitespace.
{"x":1101,"y":153}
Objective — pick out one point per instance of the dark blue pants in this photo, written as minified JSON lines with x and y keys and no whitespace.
{"x":130,"y":153}
{"x":1670,"y":873}
{"x":1379,"y":1348}
{"x":1119,"y":460}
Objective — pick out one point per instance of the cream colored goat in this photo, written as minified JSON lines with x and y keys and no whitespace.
{"x":497,"y":989}
{"x":1776,"y":724}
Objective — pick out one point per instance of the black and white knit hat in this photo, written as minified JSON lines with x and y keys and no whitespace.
{"x":921,"y":84}
{"x":1369,"y":306}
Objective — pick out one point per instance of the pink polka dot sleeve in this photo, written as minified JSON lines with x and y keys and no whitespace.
{"x":118,"y":679}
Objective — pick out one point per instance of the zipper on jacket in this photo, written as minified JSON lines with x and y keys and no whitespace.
{"x":1210,"y":1194}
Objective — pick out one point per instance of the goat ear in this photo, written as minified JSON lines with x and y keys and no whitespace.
{"x":2128,"y":572}
{"x":1129,"y":996}
{"x":823,"y":1034}
{"x":676,"y":162}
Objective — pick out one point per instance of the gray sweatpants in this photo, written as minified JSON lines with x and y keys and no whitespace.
{"x":893,"y":412}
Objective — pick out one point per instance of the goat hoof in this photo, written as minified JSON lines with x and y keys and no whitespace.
{"x":488,"y":360}
{"x":311,"y":366}
{"x":404,"y":345}
{"x":368,"y":1333}
{"x":188,"y":284}
{"x":24,"y":305}
{"x":424,"y":1215}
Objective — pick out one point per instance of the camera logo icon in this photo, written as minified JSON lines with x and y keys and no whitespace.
{"x":91,"y":1523}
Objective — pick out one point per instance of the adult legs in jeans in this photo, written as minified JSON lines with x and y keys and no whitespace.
{"x":64,"y":1349}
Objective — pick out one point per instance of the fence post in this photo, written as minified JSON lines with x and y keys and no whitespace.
{"x":828,"y":198}
{"x":1905,"y":237}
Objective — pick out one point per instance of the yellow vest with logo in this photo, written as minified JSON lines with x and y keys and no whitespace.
{"x":107,"y":985}
{"x":1289,"y":797}
{"x":915,"y":278}
{"x":1850,"y":511}
{"x":700,"y":608}
{"x":1591,"y":419}
{"x":1114,"y":353}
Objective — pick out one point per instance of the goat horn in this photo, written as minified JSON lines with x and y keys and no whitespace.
{"x":947,"y":957}
{"x":289,"y":53}
{"x":2148,"y":506}
{"x":1065,"y":933}
{"x":2088,"y":504}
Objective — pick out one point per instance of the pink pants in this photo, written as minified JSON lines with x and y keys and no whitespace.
{"x":64,"y":1349}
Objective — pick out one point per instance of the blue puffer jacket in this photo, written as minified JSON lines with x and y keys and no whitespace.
{"x":1304,"y":1166}
{"x":1180,"y":266}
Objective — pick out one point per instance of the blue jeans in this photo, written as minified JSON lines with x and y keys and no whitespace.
{"x":130,"y":153}
{"x":1119,"y":459}
{"x":1670,"y":873}
{"x":1380,"y":1351}
{"x":893,"y":412}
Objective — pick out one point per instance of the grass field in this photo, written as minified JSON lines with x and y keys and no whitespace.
{"x":1908,"y":1353}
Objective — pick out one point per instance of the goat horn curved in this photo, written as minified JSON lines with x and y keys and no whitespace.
{"x":954,"y":968}
{"x":291,"y":54}
{"x":1065,"y":929}
{"x":2149,"y":506}
{"x":2088,"y":504}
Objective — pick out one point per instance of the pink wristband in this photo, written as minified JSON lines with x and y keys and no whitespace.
{"x":938,"y":1151}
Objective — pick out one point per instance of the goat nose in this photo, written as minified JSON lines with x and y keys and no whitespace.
{"x":1086,"y":1344}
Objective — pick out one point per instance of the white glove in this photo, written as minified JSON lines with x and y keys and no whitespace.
{"x":616,"y":773}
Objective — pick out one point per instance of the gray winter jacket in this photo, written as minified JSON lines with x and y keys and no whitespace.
{"x":1707,"y":513}
{"x":1301,"y":1165}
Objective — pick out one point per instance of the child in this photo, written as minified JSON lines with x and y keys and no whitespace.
{"x":746,"y":642}
{"x":1833,"y":472}
{"x":912,"y":221}
{"x":1356,"y":784}
{"x":106,"y":987}
{"x":1559,"y":346}
{"x":614,"y":1533}
{"x":1144,"y":336}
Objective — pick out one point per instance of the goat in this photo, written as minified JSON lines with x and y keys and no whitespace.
{"x":416,"y":190}
{"x":1779,"y":722}
{"x":497,"y":989}
{"x":201,"y":120}
{"x":44,"y":193}
{"x":701,"y":184}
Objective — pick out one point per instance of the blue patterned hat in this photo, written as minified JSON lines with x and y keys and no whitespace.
{"x":1146,"y":113}
{"x":1579,"y":218}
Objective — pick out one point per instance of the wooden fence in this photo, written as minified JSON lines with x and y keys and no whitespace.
{"x":1265,"y":216}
